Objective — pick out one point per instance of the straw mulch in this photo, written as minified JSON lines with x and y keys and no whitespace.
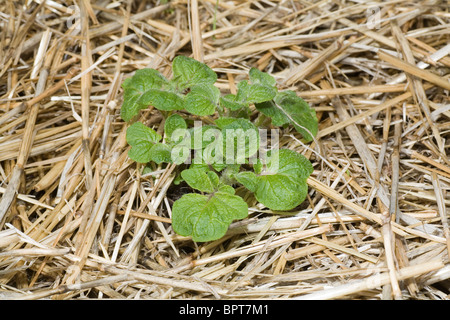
{"x":79,"y":220}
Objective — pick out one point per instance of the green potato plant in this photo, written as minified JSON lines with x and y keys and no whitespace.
{"x":226,"y":153}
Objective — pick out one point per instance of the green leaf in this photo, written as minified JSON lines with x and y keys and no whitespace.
{"x":258,"y":77}
{"x":248,"y":179}
{"x":202,"y":100}
{"x":210,"y":156}
{"x":241,"y":140}
{"x":282,"y":185}
{"x":200,"y":166}
{"x":141,"y":139}
{"x":200,"y":180}
{"x":258,"y":166}
{"x":205,"y":166}
{"x":222,"y":122}
{"x":144,"y":80}
{"x":189,"y":72}
{"x":219,"y":166}
{"x":288,"y":162}
{"x":287,"y":107}
{"x":254,"y":93}
{"x":181,"y":146}
{"x":228,"y":174}
{"x":207,"y":218}
{"x":179,"y":156}
{"x":214,"y":178}
{"x":229,"y":101}
{"x":279,"y":192}
{"x":262,"y":87}
{"x":226,"y":188}
{"x":130,"y":107}
{"x":160,"y":152}
{"x":270,"y":109}
{"x":138,"y":132}
{"x":161,"y":100}
{"x":174,"y":122}
{"x":135,"y":86}
{"x":202,"y":136}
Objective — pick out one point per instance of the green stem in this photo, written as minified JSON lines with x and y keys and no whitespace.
{"x":260,"y":120}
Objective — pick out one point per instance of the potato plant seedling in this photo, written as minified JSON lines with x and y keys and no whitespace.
{"x":231,"y":150}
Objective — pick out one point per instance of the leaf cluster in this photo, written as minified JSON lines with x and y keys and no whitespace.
{"x":208,"y":164}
